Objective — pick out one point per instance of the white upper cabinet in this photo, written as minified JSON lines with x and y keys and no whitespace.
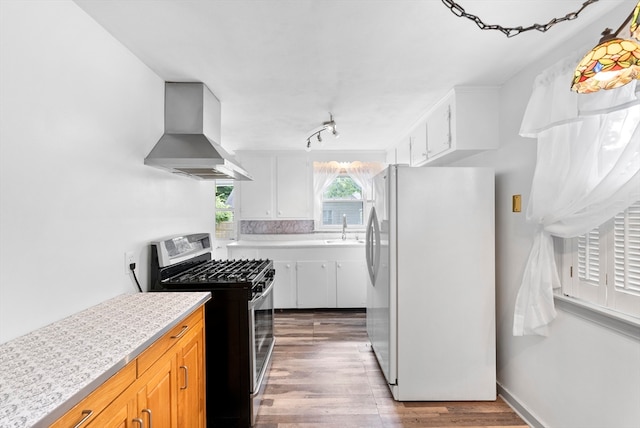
{"x":418,"y":144}
{"x":463,"y":123}
{"x":439,"y":132}
{"x":256,"y":197}
{"x":281,"y":187}
{"x":293,"y":187}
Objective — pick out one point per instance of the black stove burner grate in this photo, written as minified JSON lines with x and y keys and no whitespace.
{"x":223,"y":271}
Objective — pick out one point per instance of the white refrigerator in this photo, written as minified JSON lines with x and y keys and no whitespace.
{"x":431,"y":294}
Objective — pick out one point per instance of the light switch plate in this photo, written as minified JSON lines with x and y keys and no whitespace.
{"x":516,"y":203}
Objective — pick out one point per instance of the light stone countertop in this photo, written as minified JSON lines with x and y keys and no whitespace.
{"x":45,"y":373}
{"x":306,"y":243}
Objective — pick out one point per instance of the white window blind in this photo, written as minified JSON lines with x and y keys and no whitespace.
{"x":627,"y":249}
{"x":589,"y":257}
{"x":607,"y":260}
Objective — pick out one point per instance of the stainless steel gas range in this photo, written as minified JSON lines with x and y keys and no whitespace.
{"x":238,"y":321}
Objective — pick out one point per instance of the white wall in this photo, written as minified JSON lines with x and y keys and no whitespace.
{"x":78,"y":114}
{"x":582,"y":375}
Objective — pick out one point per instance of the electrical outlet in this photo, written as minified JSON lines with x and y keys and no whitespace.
{"x":128,"y":259}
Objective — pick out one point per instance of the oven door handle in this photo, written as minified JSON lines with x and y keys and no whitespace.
{"x":256,"y":301}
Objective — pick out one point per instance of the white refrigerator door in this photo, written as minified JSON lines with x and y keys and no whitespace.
{"x":379,"y":301}
{"x":445,"y":284}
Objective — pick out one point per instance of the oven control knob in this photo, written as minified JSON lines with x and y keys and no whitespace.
{"x":270,"y":273}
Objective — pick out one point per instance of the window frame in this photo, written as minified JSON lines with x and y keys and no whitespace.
{"x":362,"y":199}
{"x":232,"y":235}
{"x":597,"y":302}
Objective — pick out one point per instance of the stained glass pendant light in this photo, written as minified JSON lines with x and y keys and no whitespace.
{"x":613,"y":63}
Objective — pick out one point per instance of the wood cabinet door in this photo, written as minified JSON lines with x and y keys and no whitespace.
{"x":191,"y":381}
{"x":119,"y":414}
{"x":157,"y":398}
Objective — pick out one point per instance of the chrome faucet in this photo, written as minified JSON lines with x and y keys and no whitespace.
{"x":344,"y":227}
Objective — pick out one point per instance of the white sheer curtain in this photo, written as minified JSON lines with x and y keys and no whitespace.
{"x":362,"y":173}
{"x":325,"y":172}
{"x":587,"y":170}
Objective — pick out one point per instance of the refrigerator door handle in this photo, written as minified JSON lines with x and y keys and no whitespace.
{"x":372,"y":244}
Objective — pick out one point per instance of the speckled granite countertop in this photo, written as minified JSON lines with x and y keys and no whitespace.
{"x":46,"y":372}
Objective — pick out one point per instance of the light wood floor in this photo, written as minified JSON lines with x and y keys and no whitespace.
{"x":324,"y":374}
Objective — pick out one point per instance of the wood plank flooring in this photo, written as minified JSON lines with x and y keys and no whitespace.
{"x":324,"y":374}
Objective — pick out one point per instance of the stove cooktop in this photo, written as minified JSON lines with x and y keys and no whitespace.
{"x":224,"y":271}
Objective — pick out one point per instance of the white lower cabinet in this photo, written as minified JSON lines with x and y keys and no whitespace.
{"x":313,"y":277}
{"x":316,"y":287}
{"x":350,"y":277}
{"x":284,"y":293}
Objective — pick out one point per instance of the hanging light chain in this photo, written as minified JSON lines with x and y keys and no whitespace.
{"x":459,"y":11}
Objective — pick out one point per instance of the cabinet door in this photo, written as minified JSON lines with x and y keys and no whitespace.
{"x":157,"y":398}
{"x":315,"y":290}
{"x":418,"y":144}
{"x":439,"y":129}
{"x":284,"y":292}
{"x":99,"y":401}
{"x":293,"y":190}
{"x":121,"y":413}
{"x":403,"y":152}
{"x":191,"y":380}
{"x":351,"y":284}
{"x":256,"y":197}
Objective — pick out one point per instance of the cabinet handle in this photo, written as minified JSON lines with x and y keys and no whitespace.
{"x":138,"y":420}
{"x":324,"y":266}
{"x":186,"y":377}
{"x":182,"y":332}
{"x":288,"y":266}
{"x":339,"y":265}
{"x":148,"y":411}
{"x":87,"y":414}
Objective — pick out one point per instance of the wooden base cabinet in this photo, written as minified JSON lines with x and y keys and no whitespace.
{"x":191,"y":385}
{"x":162,"y":388}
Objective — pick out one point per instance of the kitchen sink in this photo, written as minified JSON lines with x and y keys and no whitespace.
{"x":344,"y":241}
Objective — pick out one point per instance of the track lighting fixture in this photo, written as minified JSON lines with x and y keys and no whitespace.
{"x":329,"y":126}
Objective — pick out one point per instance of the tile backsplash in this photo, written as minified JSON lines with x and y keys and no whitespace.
{"x":275,"y":227}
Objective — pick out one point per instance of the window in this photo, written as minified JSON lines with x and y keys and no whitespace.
{"x":343,"y":197}
{"x":605,"y":264}
{"x":225,"y":218}
{"x":342,"y":189}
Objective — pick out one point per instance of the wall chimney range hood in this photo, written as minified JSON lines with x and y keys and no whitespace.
{"x":190,"y":144}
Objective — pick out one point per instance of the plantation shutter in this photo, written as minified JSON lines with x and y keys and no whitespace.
{"x":589,"y":257}
{"x":627,"y":249}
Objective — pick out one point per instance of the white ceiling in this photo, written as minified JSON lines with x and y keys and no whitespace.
{"x":280,"y":66}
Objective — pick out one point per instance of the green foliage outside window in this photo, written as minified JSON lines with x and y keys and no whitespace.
{"x":222,"y":193}
{"x":343,"y":188}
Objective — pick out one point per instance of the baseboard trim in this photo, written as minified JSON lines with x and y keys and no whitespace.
{"x":517,"y":407}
